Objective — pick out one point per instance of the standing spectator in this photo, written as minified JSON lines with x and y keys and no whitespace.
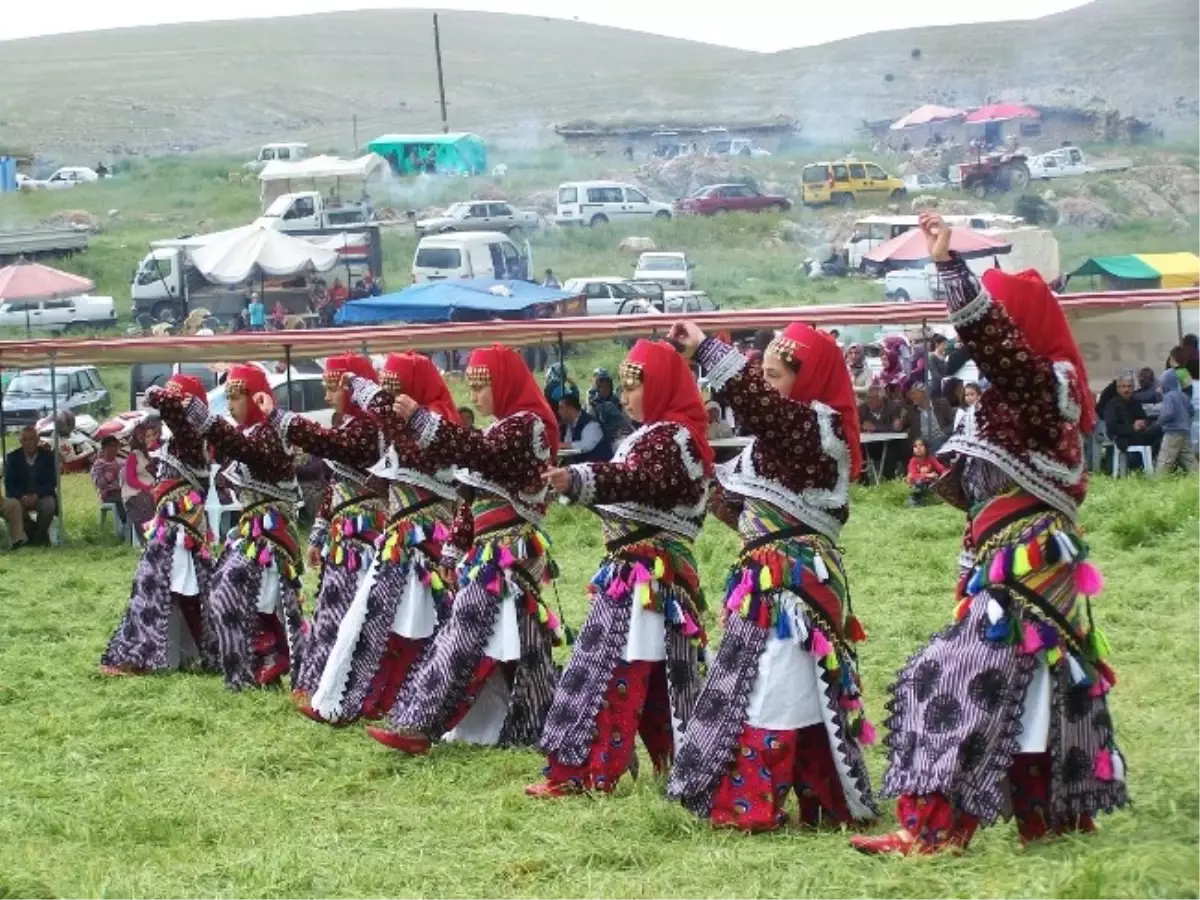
{"x":551,"y":280}
{"x":878,"y":415}
{"x":137,"y":480}
{"x":30,"y":503}
{"x":1191,"y":344}
{"x":923,"y":470}
{"x":1175,"y":420}
{"x":929,"y":420}
{"x":937,"y":364}
{"x":1147,"y":387}
{"x":106,"y":474}
{"x":964,"y":418}
{"x":338,"y":294}
{"x":581,"y":432}
{"x":860,"y":374}
{"x":1126,"y":422}
{"x":256,"y":313}
{"x":718,"y":429}
{"x":604,"y":403}
{"x":278,"y":316}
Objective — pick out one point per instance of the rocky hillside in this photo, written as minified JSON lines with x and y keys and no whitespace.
{"x":231,"y":85}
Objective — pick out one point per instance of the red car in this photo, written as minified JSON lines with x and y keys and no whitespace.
{"x":721,"y":198}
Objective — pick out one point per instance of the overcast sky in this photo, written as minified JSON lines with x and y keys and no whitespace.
{"x":750,"y":24}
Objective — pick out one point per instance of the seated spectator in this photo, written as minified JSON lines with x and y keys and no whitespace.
{"x":1147,"y":387}
{"x":964,"y":422}
{"x":137,"y":480}
{"x":557,"y":385}
{"x":923,"y":470}
{"x":30,"y":502}
{"x":581,"y":432}
{"x":930,"y":420}
{"x":604,"y":403}
{"x":1175,"y":420}
{"x":1126,"y":422}
{"x":468,"y":417}
{"x":860,"y":373}
{"x":718,"y":429}
{"x":106,"y":474}
{"x":878,"y":415}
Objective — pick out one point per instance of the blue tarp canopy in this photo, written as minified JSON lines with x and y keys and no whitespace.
{"x":465,"y":300}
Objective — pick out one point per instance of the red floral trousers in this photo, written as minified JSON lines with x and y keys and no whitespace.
{"x":769,"y":766}
{"x":636,"y":702}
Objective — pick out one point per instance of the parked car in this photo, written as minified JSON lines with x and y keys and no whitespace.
{"x":288,"y":152}
{"x":33,"y":394}
{"x":480,"y":216}
{"x":62,"y":315}
{"x":845,"y":181}
{"x":605,"y":294}
{"x":738,"y":146}
{"x":599,"y":202}
{"x":922,"y":183}
{"x":475,"y":254}
{"x":671,"y":270}
{"x":67,"y":177}
{"x":670,"y":303}
{"x":143,"y":376}
{"x":307,"y":393}
{"x":721,"y":198}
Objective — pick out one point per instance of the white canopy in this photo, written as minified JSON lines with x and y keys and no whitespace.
{"x":324,"y":168}
{"x":242,"y":253}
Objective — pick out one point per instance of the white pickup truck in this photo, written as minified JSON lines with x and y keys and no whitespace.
{"x":1068,"y":161}
{"x":59,"y":315}
{"x":311,"y":211}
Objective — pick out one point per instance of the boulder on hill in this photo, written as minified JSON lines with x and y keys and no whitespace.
{"x":637,"y":245}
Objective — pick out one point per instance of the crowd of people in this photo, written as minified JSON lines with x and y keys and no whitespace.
{"x":432,"y":621}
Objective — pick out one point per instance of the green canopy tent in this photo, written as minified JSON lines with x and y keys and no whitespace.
{"x":1121,"y":273}
{"x":459,"y":153}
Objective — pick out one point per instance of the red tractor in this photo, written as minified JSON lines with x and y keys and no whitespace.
{"x":994,"y":173}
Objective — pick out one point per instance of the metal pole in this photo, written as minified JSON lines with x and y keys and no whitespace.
{"x":1179,"y":319}
{"x":354,"y":118}
{"x":27,"y":302}
{"x":562,"y":357}
{"x":287,"y":362}
{"x":3,"y":430}
{"x":437,"y":51}
{"x":59,"y":511}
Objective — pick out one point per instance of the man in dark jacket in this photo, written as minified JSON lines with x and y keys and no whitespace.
{"x":30,"y":503}
{"x":582,"y":433}
{"x":931,"y":420}
{"x":1126,"y":422}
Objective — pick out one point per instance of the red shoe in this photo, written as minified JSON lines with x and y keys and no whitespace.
{"x":118,"y":671}
{"x":272,"y":672}
{"x":897,"y":842}
{"x":411,"y":743}
{"x":549,"y":790}
{"x":300,"y":698}
{"x":309,"y":713}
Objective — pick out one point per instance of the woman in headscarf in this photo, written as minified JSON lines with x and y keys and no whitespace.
{"x":860,"y":374}
{"x":164,"y":626}
{"x":254,"y":599}
{"x":1005,"y":709}
{"x":487,"y":677}
{"x":351,"y":516}
{"x":782,"y":707}
{"x":399,"y":603}
{"x":635,"y":666}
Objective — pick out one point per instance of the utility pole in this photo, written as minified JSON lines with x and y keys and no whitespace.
{"x":437,"y":50}
{"x":354,"y":118}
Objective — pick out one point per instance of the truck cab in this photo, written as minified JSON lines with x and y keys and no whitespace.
{"x":311,"y":211}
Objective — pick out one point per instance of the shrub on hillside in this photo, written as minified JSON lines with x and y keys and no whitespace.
{"x":1035,"y":210}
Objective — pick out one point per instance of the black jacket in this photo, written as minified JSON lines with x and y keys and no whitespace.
{"x":20,"y":478}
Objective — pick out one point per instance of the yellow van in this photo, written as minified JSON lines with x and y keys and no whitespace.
{"x":844,"y":181}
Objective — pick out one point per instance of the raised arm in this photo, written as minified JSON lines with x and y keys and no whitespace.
{"x":356,"y":444}
{"x":443,"y":443}
{"x":262,"y":450}
{"x":758,"y":408}
{"x":660,"y":471}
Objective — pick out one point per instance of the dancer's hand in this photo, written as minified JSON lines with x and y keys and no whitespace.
{"x":937,"y":236}
{"x":559,"y":479}
{"x":405,"y":407}
{"x":265,"y":402}
{"x":688,"y":336}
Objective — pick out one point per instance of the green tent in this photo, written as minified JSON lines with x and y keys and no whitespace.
{"x":459,"y":153}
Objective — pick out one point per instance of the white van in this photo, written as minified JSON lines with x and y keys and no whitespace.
{"x":288,"y":152}
{"x":598,"y":202}
{"x":472,"y":254}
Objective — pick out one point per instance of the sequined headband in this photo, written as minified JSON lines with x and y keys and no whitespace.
{"x":784,"y":348}
{"x":332,"y":379}
{"x":236,"y":388}
{"x":390,"y":381}
{"x":479,"y":376}
{"x":632,"y":374}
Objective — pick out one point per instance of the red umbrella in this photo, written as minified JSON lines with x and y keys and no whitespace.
{"x":1001,"y":112}
{"x":33,"y":281}
{"x":909,"y":247}
{"x":926,"y":115}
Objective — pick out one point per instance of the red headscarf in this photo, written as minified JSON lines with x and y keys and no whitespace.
{"x":822,"y":375}
{"x":337,"y":366}
{"x":416,"y":375}
{"x":190,"y":386}
{"x":250,"y":380}
{"x":1033,"y":308}
{"x":514,"y":389}
{"x":670,"y":393}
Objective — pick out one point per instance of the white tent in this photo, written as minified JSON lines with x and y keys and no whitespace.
{"x":324,"y":168}
{"x":252,"y":251}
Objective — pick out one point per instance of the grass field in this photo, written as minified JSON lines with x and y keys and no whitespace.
{"x":170,"y":786}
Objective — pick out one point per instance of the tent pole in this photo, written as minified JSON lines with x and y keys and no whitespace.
{"x":3,"y":430}
{"x":562,"y":356}
{"x":59,"y":511}
{"x":1179,"y":319}
{"x":287,"y":362}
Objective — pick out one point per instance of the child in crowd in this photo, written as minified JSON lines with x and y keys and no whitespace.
{"x":964,"y":418}
{"x":106,"y":474}
{"x":1175,"y":419}
{"x":923,"y":470}
{"x":468,"y":417}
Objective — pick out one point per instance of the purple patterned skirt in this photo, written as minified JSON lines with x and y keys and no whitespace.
{"x":154,"y":634}
{"x":338,"y":586}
